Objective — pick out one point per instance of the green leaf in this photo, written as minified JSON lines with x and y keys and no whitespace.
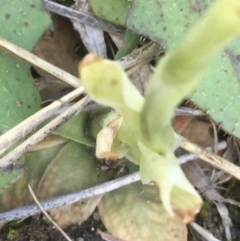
{"x":17,"y":194}
{"x":75,"y":129}
{"x":19,"y":97}
{"x":114,"y":11}
{"x":11,"y":174}
{"x":73,"y":169}
{"x":56,"y":169}
{"x":179,"y":70}
{"x":130,"y":41}
{"x":135,"y":212}
{"x":166,"y":22}
{"x":218,"y":91}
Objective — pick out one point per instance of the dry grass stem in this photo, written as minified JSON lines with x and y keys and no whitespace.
{"x":140,"y":56}
{"x":29,"y":124}
{"x":75,"y":197}
{"x":211,"y":158}
{"x":189,"y":111}
{"x":83,"y":17}
{"x":31,"y":210}
{"x":203,"y":232}
{"x":42,"y":133}
{"x":146,"y":54}
{"x":46,"y":214}
{"x":189,"y":157}
{"x":39,"y":63}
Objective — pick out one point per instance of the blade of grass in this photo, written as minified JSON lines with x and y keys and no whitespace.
{"x":46,"y":214}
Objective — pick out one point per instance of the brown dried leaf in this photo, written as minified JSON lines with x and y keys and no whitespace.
{"x":58,"y":46}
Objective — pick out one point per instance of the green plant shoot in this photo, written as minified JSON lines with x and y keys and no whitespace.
{"x":146,"y":128}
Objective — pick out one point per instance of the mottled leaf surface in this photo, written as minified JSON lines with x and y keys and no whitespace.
{"x":114,"y":11}
{"x":166,"y":22}
{"x":134,"y":212}
{"x":19,"y":98}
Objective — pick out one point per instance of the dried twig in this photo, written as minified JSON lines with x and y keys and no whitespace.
{"x":211,"y":158}
{"x":189,"y":157}
{"x":43,"y":132}
{"x":72,"y":198}
{"x":226,"y":220}
{"x":92,"y":38}
{"x":39,"y":63}
{"x":189,"y":111}
{"x":46,"y":214}
{"x":29,"y":124}
{"x":31,"y":210}
{"x":197,"y":177}
{"x":83,"y":17}
{"x":21,"y":130}
{"x":142,"y":56}
{"x":203,"y":232}
{"x":147,"y":53}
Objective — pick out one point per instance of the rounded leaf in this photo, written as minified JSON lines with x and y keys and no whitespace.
{"x":135,"y":213}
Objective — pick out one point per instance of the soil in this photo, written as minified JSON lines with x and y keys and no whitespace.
{"x":38,"y":229}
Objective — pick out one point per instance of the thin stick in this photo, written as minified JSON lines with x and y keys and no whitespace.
{"x":211,"y":158}
{"x":188,"y":111}
{"x":43,"y":132}
{"x":189,"y":157}
{"x":142,"y":55}
{"x":203,"y":232}
{"x":46,"y":214}
{"x":39,"y":63}
{"x":146,"y":53}
{"x":31,"y":210}
{"x":83,"y":17}
{"x":75,"y":197}
{"x":29,"y":124}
